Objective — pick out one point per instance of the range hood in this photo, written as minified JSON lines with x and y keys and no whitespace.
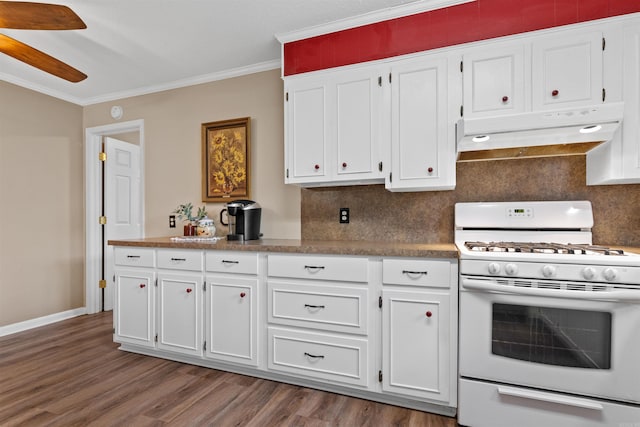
{"x":537,"y":134}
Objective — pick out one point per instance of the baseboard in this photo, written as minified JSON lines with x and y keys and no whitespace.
{"x":41,"y":321}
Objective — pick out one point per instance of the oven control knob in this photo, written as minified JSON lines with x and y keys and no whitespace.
{"x":549,"y":271}
{"x":511,"y":269}
{"x":494,"y":268}
{"x":610,"y":274}
{"x":589,"y":273}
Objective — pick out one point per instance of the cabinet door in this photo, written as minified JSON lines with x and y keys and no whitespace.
{"x":133,"y":312}
{"x":494,"y":81}
{"x":232,"y":319}
{"x":567,"y":71}
{"x":357,"y":125}
{"x":419,"y":126}
{"x":306,"y":131}
{"x":180,"y":313}
{"x":631,"y":122}
{"x":415,"y":344}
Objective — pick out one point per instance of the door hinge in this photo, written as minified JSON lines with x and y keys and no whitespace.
{"x":156,"y":283}
{"x":204,"y":346}
{"x":390,"y":176}
{"x":204,"y":287}
{"x":380,"y":301}
{"x":389,"y":77}
{"x":102,"y":156}
{"x":113,"y":330}
{"x":287,"y":172}
{"x":114,"y":279}
{"x":380,"y":166}
{"x":102,"y":284}
{"x":604,"y":94}
{"x":461,"y":67}
{"x":102,"y":220}
{"x":380,"y":81}
{"x":156,"y":338}
{"x":462,"y":111}
{"x":379,"y":376}
{"x":604,"y":43}
{"x":286,"y":96}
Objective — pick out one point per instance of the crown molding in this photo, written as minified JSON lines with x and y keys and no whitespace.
{"x":419,"y":6}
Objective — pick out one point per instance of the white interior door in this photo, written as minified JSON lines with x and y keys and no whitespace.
{"x":122,"y":201}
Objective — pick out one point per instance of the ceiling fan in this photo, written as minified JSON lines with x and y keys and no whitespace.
{"x":38,"y":16}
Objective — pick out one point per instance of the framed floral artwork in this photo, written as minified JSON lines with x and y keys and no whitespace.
{"x":225,"y":160}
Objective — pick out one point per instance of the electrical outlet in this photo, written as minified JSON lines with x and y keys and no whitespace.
{"x":172,"y":221}
{"x":344,"y":215}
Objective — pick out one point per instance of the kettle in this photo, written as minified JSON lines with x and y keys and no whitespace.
{"x":243,"y":220}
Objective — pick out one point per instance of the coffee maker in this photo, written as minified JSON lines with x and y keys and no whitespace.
{"x":243,"y":218}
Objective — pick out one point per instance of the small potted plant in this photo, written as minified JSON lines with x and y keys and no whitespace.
{"x":185,"y":213}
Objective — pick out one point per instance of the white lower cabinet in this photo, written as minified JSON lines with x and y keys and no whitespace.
{"x":380,"y":329}
{"x":180,"y":313}
{"x":415,"y":343}
{"x":232,"y":319}
{"x":134,"y":308}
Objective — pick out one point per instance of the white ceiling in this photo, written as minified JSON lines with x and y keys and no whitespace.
{"x":132,"y":47}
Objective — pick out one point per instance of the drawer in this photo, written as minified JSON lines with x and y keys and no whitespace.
{"x":322,"y":356}
{"x":416,"y":272}
{"x":232,"y":262}
{"x":134,"y":257}
{"x":180,"y":259}
{"x":333,"y":308}
{"x":344,"y":269}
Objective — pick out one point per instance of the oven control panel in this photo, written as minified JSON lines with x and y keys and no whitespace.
{"x":519,"y":212}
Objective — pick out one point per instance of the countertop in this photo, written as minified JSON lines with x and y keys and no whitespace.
{"x":427,"y":250}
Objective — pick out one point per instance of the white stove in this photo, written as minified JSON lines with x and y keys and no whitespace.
{"x":549,"y":322}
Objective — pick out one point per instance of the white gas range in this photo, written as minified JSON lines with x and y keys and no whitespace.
{"x":549,"y":322}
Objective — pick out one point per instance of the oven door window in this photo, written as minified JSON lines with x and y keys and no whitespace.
{"x":552,"y":336}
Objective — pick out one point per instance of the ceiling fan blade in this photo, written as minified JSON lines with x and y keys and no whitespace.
{"x":40,"y":60}
{"x":38,"y":16}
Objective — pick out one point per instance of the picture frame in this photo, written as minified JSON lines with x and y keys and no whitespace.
{"x":226,"y":164}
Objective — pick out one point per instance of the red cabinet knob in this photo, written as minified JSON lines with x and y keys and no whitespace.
{"x":430,"y":170}
{"x":344,"y":164}
{"x":189,"y":290}
{"x":142,"y":285}
{"x":242,"y":295}
{"x":316,"y":167}
{"x":554,"y":92}
{"x":429,"y":314}
{"x":505,"y":98}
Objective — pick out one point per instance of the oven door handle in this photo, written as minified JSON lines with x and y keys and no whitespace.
{"x":549,"y":397}
{"x":618,"y":296}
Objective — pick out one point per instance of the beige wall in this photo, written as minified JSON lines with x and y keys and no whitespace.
{"x":42,"y":211}
{"x":172,"y":147}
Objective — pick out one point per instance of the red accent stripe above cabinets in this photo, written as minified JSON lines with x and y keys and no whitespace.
{"x":479,"y":20}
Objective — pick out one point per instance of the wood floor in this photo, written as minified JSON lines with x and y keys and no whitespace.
{"x":71,"y":374}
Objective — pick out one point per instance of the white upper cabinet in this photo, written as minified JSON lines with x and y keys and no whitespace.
{"x":618,"y":161}
{"x":567,"y":71}
{"x":494,"y":81}
{"x":422,"y":146}
{"x":306,"y":131}
{"x":553,"y":71}
{"x":332,"y":127}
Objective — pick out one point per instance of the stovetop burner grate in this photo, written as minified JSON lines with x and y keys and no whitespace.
{"x":542,"y":248}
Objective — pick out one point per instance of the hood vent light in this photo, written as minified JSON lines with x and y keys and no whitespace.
{"x":539,"y":134}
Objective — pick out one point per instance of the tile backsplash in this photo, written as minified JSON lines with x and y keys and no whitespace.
{"x":427,"y":217}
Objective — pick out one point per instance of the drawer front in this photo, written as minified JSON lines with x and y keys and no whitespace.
{"x":326,"y":357}
{"x":333,"y":308}
{"x":180,"y":259}
{"x":232,"y":262}
{"x":345,"y":269}
{"x":416,"y":272}
{"x":134,"y":257}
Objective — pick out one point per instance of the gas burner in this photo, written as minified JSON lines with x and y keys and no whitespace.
{"x":542,"y":248}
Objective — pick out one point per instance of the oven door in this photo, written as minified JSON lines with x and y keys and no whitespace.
{"x":548,"y":339}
